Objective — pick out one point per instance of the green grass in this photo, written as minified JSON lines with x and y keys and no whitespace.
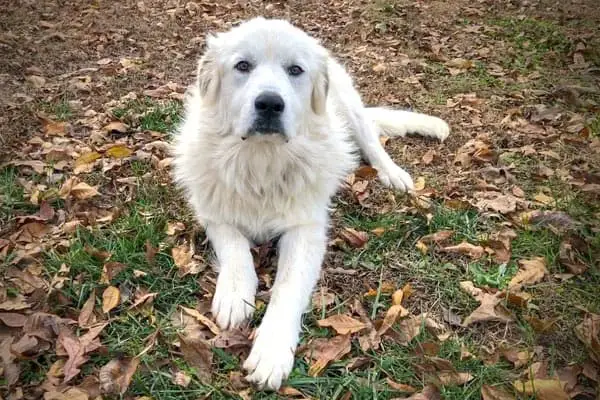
{"x":59,"y":110}
{"x":536,"y":42}
{"x":12,"y":197}
{"x":151,"y":115}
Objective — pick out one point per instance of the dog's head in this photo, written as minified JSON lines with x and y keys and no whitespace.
{"x":264,"y":78}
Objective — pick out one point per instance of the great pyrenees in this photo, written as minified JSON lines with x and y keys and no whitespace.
{"x":272,"y":127}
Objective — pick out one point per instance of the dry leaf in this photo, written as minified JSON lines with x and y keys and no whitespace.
{"x":197,"y":353}
{"x":397,"y":297}
{"x":466,"y":248}
{"x":531,"y":271}
{"x":76,"y":352}
{"x":589,"y":333}
{"x":110,"y":270}
{"x":326,"y":350}
{"x":437,"y":237}
{"x":322,"y":298}
{"x":429,"y":392}
{"x":391,"y":316}
{"x":356,"y":239}
{"x":451,"y":378}
{"x":365,"y":172}
{"x":342,"y":324}
{"x":489,"y":309}
{"x":180,"y":378}
{"x":174,"y":227}
{"x":544,"y":199}
{"x":495,"y":393}
{"x":116,"y":126}
{"x":495,"y":201}
{"x":400,"y":387}
{"x":543,"y":389}
{"x":86,"y":316}
{"x":110,"y":298}
{"x":202,"y":319}
{"x":428,"y":157}
{"x":115,"y":376}
{"x":419,"y":183}
{"x":184,"y":260}
{"x":119,"y":151}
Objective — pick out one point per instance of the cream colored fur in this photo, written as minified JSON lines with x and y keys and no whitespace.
{"x":248,"y":189}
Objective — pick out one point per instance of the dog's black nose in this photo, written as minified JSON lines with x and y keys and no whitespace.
{"x":269,"y":104}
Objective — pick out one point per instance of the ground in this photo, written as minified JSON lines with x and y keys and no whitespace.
{"x":482,"y":284}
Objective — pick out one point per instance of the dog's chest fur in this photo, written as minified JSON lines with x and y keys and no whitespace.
{"x":260,"y":186}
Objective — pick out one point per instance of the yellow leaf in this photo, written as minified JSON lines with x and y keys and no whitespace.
{"x":119,"y":151}
{"x":544,"y":199}
{"x":110,"y":298}
{"x":422,"y":247}
{"x":531,"y":271}
{"x":397,"y":297}
{"x":420,"y":183}
{"x":83,"y":191}
{"x":391,"y":316}
{"x":87,"y":158}
{"x":342,"y":324}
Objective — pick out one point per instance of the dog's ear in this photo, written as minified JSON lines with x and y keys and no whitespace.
{"x":320,"y":89}
{"x":208,"y":73}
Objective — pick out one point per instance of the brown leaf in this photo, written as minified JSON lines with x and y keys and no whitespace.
{"x":10,"y":368}
{"x":322,"y":298}
{"x":544,"y":199}
{"x":198,"y":354}
{"x":466,"y":248}
{"x":76,"y":352}
{"x":543,"y":389}
{"x":400,"y":387}
{"x":531,"y":271}
{"x":231,"y":338}
{"x":323,"y":351}
{"x":495,"y":393}
{"x":365,"y":172}
{"x":110,"y":270}
{"x":110,"y":298}
{"x":54,"y":128}
{"x":79,"y":190}
{"x":451,"y":378}
{"x":429,"y":392}
{"x":13,"y":320}
{"x":397,"y":297}
{"x":370,"y":340}
{"x":116,"y":126}
{"x":391,"y":316}
{"x":174,"y":228}
{"x":495,"y":201}
{"x":437,"y":237}
{"x":489,"y":309}
{"x":116,"y":375}
{"x":428,"y":157}
{"x":202,"y":319}
{"x":184,"y":260}
{"x":408,"y":329}
{"x":500,"y":243}
{"x":518,"y":358}
{"x":356,"y":239}
{"x":72,"y":393}
{"x":14,"y":303}
{"x":342,"y":324}
{"x":86,"y":316}
{"x":569,"y":258}
{"x":589,"y":333}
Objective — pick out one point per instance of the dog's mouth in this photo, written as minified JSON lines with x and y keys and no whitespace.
{"x":266,"y":127}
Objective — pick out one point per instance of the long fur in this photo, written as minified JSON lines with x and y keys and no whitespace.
{"x":247,"y":189}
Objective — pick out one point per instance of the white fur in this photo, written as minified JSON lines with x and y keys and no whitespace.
{"x":251,"y":189}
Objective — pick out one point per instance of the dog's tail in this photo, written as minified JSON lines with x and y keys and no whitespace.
{"x":398,"y":123}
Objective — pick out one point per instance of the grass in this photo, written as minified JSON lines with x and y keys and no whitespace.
{"x":150,"y":115}
{"x":61,"y":110}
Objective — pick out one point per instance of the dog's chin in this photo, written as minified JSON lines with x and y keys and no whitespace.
{"x":270,"y":132}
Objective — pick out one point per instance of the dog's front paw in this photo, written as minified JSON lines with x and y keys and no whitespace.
{"x":271,"y":359}
{"x":393,"y":176}
{"x":233,"y":302}
{"x":436,"y":128}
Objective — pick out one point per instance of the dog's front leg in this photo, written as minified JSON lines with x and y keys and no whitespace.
{"x":271,"y":359}
{"x":233,"y":301}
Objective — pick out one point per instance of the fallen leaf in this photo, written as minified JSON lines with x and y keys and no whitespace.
{"x":531,"y":271}
{"x":14,"y":303}
{"x":110,"y":270}
{"x":202,"y":319}
{"x":322,"y":298}
{"x":119,"y":151}
{"x":518,"y":358}
{"x":231,"y":338}
{"x":568,"y":257}
{"x":489,"y":309}
{"x":495,"y":201}
{"x":466,"y":248}
{"x":451,"y":378}
{"x":110,"y":298}
{"x":198,"y":354}
{"x":365,"y":172}
{"x":324,"y":350}
{"x":428,"y":157}
{"x":174,"y":227}
{"x":495,"y":393}
{"x":342,"y":324}
{"x":391,"y":316}
{"x":116,"y":126}
{"x":116,"y":375}
{"x":588,"y":332}
{"x":11,"y":370}
{"x":429,"y":392}
{"x":397,"y":297}
{"x":76,"y":352}
{"x":543,"y":389}
{"x":544,"y":199}
{"x":183,"y":257}
{"x":81,"y":190}
{"x":86,"y":316}
{"x":437,"y":237}
{"x":13,"y":320}
{"x":356,"y":239}
{"x":54,"y":128}
{"x":371,"y":340}
{"x":400,"y":387}
{"x":419,"y":183}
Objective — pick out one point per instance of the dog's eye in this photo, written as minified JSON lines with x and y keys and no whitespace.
{"x":295,"y":70}
{"x":243,"y":66}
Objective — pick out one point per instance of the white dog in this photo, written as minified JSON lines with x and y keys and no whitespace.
{"x":269,"y":135}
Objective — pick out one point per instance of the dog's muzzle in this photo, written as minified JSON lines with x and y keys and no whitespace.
{"x":269,"y":107}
